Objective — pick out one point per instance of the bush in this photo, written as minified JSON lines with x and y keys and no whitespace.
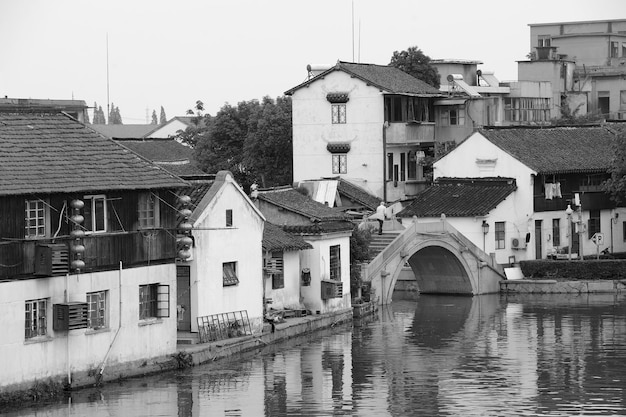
{"x":587,"y":270}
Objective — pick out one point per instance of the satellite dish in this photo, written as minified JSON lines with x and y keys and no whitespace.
{"x":308,"y":67}
{"x":450,"y":78}
{"x":479,"y":72}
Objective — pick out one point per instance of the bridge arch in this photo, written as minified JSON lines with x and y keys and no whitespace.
{"x":442,"y":259}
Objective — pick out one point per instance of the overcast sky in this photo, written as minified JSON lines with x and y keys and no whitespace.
{"x":172,"y":53}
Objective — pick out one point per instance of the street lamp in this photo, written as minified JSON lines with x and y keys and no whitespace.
{"x":485,"y":227}
{"x":569,"y":212}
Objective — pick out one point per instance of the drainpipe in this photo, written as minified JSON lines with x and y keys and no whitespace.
{"x":119,"y":326}
{"x":385,"y":162}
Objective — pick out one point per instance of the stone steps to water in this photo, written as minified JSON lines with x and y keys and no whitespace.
{"x":380,"y":242}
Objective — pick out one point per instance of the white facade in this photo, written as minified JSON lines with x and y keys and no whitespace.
{"x":318,"y":261}
{"x":168,"y":129}
{"x":217,"y":243}
{"x":287,"y":297}
{"x":363,"y":130}
{"x":58,"y":354}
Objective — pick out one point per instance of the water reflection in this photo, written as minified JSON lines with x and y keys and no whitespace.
{"x":428,"y":355}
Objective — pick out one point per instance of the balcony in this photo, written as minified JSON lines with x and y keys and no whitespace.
{"x":410,"y":133}
{"x":25,"y":259}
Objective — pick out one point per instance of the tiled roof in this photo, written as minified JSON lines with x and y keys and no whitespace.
{"x":294,"y":201}
{"x":54,"y":154}
{"x":123,"y":131}
{"x":390,"y":79}
{"x":358,"y":194}
{"x":556,"y":149}
{"x":460,"y":197}
{"x":167,"y":153}
{"x":275,"y":238}
{"x":196,"y":192}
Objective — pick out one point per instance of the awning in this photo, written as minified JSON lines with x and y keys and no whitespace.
{"x":337,"y":97}
{"x":338,"y":147}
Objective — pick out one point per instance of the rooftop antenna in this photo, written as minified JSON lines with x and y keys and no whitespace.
{"x":108,"y":110}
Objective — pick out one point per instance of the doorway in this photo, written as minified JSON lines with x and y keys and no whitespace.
{"x":538,"y":239}
{"x":183,"y":299}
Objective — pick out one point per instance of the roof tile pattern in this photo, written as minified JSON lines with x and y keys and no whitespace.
{"x":275,"y":238}
{"x":296,"y":202}
{"x":167,"y":153}
{"x":53,"y":153}
{"x":460,"y":197}
{"x":358,"y":194}
{"x":558,"y":149}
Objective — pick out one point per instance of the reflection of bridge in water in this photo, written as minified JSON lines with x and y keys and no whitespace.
{"x":442,"y":259}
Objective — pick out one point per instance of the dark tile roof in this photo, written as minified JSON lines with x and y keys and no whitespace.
{"x":390,"y":79}
{"x":196,"y":192}
{"x":167,"y":153}
{"x":56,"y":154}
{"x":556,"y":149}
{"x":460,"y":197}
{"x":136,"y":131}
{"x":298,"y":203}
{"x":357,"y":194}
{"x":275,"y":238}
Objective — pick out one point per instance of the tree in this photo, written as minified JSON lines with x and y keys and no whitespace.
{"x":359,"y":253}
{"x":268,"y":147}
{"x":98,"y":115}
{"x":414,"y":62}
{"x":154,"y":118}
{"x":115,"y":118}
{"x":616,"y":185}
{"x":162,"y":117}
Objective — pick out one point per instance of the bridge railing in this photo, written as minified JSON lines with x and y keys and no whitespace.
{"x":441,"y":228}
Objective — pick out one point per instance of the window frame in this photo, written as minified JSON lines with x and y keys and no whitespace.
{"x":148,"y":212}
{"x":35,"y":325}
{"x":97,"y":310}
{"x":229,"y":274}
{"x":556,"y":232}
{"x":338,"y":113}
{"x":229,"y":218}
{"x":276,"y":268}
{"x":154,"y":303}
{"x":594,"y":223}
{"x":91,"y":223}
{"x":41,"y":219}
{"x":340,"y":163}
{"x":500,"y":235}
{"x":334,"y":263}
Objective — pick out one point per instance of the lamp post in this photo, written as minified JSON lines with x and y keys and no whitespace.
{"x":485,"y":227}
{"x":569,"y":212}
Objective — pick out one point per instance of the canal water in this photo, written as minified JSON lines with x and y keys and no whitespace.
{"x":496,"y":355}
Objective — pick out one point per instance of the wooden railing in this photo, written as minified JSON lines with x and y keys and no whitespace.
{"x":102,"y":252}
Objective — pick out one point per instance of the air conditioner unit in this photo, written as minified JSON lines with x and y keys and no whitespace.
{"x":332,"y":289}
{"x":69,"y":316}
{"x":518,"y":243}
{"x":51,"y":259}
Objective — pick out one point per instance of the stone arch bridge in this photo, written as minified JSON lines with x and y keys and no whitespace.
{"x":442,"y":259}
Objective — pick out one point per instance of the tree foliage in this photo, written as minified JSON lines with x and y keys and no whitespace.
{"x":98,"y":115}
{"x":616,"y":185}
{"x":414,"y":62}
{"x":154,"y":118}
{"x":162,"y":117}
{"x":115,"y":118}
{"x":359,"y":253}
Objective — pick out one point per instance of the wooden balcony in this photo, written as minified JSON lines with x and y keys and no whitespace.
{"x":411,"y":133}
{"x":23,"y":259}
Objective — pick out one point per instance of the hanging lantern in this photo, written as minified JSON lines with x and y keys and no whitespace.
{"x":77,"y":204}
{"x":77,"y":219}
{"x":185,"y":241}
{"x":185,"y":226}
{"x":185,"y":213}
{"x":184,"y":199}
{"x":78,"y":249}
{"x":78,"y":264}
{"x":77,"y":234}
{"x":184,"y":254}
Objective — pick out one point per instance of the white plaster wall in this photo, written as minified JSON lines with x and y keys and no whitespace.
{"x":318,"y":260}
{"x":289,"y":296}
{"x":313,"y":130}
{"x":169,"y":129}
{"x":216,"y":244}
{"x":23,"y":361}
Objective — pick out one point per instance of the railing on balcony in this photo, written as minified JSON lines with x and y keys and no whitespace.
{"x":410,"y":133}
{"x":18,"y":258}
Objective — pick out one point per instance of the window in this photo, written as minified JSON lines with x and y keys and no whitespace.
{"x":335,"y":262}
{"x":556,"y":232}
{"x":523,"y":109}
{"x":229,"y":218}
{"x":338,"y":113}
{"x":593,"y":225}
{"x":543,"y":40}
{"x":148,"y":210}
{"x":499,"y":234}
{"x":97,"y":310}
{"x":624,"y":231}
{"x":95,"y":213}
{"x":408,"y":109}
{"x":230,"y":274}
{"x":35,"y":218}
{"x":614,"y":49}
{"x":412,"y":165}
{"x":275,"y":267}
{"x":154,"y":301}
{"x":340,"y":163}
{"x":604,"y":101}
{"x":390,"y":166}
{"x":36,"y":323}
{"x":402,"y":166}
{"x":454,"y":116}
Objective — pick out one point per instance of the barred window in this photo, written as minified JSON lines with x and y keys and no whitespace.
{"x":335,"y":262}
{"x":340,"y":163}
{"x":36,"y":318}
{"x":556,"y":232}
{"x":275,"y":267}
{"x":97,"y":304}
{"x":154,"y":301}
{"x":500,"y":235}
{"x":338,"y":113}
{"x":35,"y":218}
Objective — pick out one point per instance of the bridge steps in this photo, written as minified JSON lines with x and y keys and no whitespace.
{"x":380,"y":242}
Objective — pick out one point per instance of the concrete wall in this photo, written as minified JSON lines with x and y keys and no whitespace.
{"x":289,"y":296}
{"x":318,"y":261}
{"x":169,"y":129}
{"x":313,"y":130}
{"x":23,"y":361}
{"x":216,"y":244}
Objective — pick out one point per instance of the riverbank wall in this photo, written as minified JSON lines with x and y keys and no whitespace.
{"x":187,"y":355}
{"x":551,"y":286}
